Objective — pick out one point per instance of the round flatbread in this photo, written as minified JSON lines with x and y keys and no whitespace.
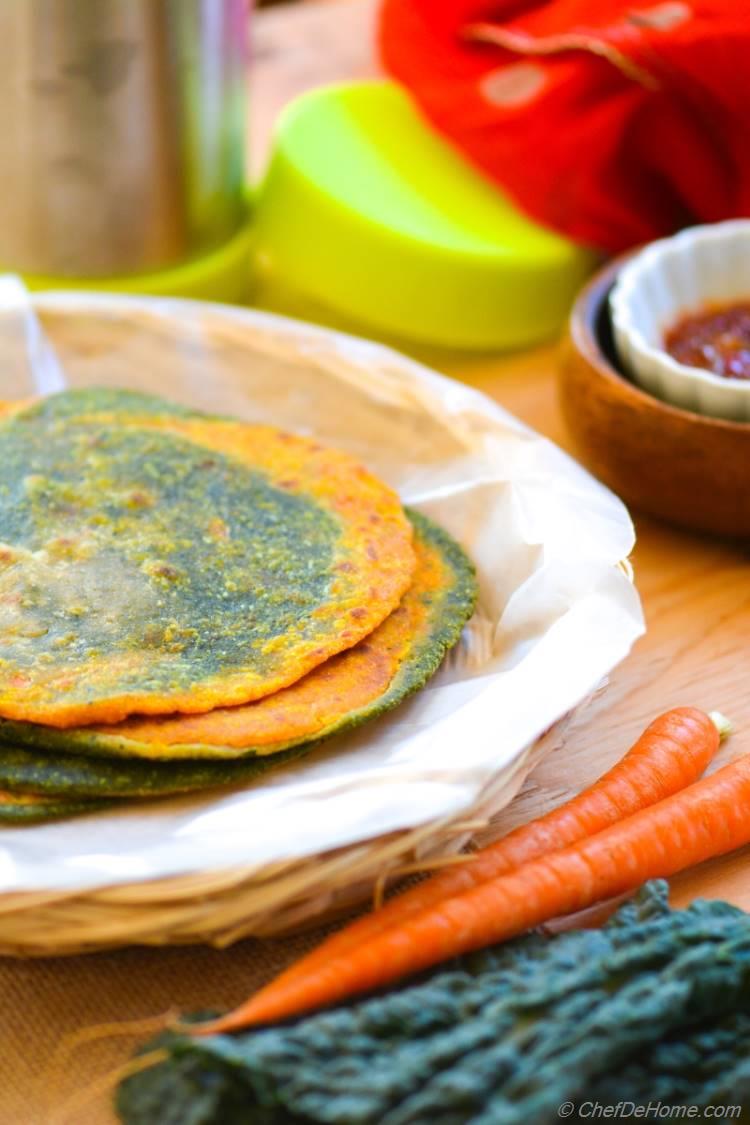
{"x":94,"y":402}
{"x":78,"y":777}
{"x":395,"y":661}
{"x":20,"y":809}
{"x":167,"y":562}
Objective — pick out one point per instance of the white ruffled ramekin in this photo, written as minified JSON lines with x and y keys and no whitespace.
{"x":672,"y":277}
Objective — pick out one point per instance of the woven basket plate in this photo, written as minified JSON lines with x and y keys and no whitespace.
{"x":556,"y":613}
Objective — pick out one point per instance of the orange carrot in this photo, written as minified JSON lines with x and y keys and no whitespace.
{"x":709,"y":818}
{"x":671,"y":753}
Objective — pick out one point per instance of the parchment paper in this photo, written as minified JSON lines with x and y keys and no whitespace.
{"x":556,"y":611}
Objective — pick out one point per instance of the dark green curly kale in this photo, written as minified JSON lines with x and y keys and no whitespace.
{"x":653,"y":1006}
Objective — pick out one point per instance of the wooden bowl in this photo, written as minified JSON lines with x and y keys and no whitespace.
{"x":686,"y":468}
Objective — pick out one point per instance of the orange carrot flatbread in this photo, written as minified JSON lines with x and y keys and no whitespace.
{"x":153,"y":561}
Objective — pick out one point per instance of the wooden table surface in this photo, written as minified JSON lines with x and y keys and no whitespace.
{"x":696,"y":591}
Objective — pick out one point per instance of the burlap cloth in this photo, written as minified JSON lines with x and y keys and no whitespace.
{"x":43,"y":1002}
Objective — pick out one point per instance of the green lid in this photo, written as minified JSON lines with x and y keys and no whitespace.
{"x":369,"y":212}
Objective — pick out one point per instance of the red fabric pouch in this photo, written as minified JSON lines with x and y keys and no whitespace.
{"x":611,"y":122}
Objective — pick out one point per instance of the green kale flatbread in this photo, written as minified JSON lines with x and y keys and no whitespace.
{"x":74,"y":776}
{"x":93,"y":402}
{"x":165,"y":562}
{"x":23,"y":809}
{"x":391,"y":664}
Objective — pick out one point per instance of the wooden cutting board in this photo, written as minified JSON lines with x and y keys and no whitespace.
{"x":696,"y":591}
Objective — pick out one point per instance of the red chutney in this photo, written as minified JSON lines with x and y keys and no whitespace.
{"x":717,"y":339}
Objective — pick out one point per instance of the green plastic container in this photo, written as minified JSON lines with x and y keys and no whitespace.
{"x":223,"y":274}
{"x":368,"y":213}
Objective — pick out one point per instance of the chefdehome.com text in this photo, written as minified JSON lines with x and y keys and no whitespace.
{"x":646,"y":1111}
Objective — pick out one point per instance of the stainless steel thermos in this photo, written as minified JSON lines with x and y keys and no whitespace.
{"x":122,"y":133}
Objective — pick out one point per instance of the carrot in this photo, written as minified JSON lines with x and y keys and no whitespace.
{"x":709,"y":818}
{"x":672,"y":752}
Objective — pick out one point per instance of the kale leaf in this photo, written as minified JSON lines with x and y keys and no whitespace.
{"x":653,"y":1006}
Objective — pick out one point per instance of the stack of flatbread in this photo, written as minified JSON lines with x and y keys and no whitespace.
{"x":188,"y":600}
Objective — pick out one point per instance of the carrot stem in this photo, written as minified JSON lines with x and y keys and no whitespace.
{"x":722,"y":724}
